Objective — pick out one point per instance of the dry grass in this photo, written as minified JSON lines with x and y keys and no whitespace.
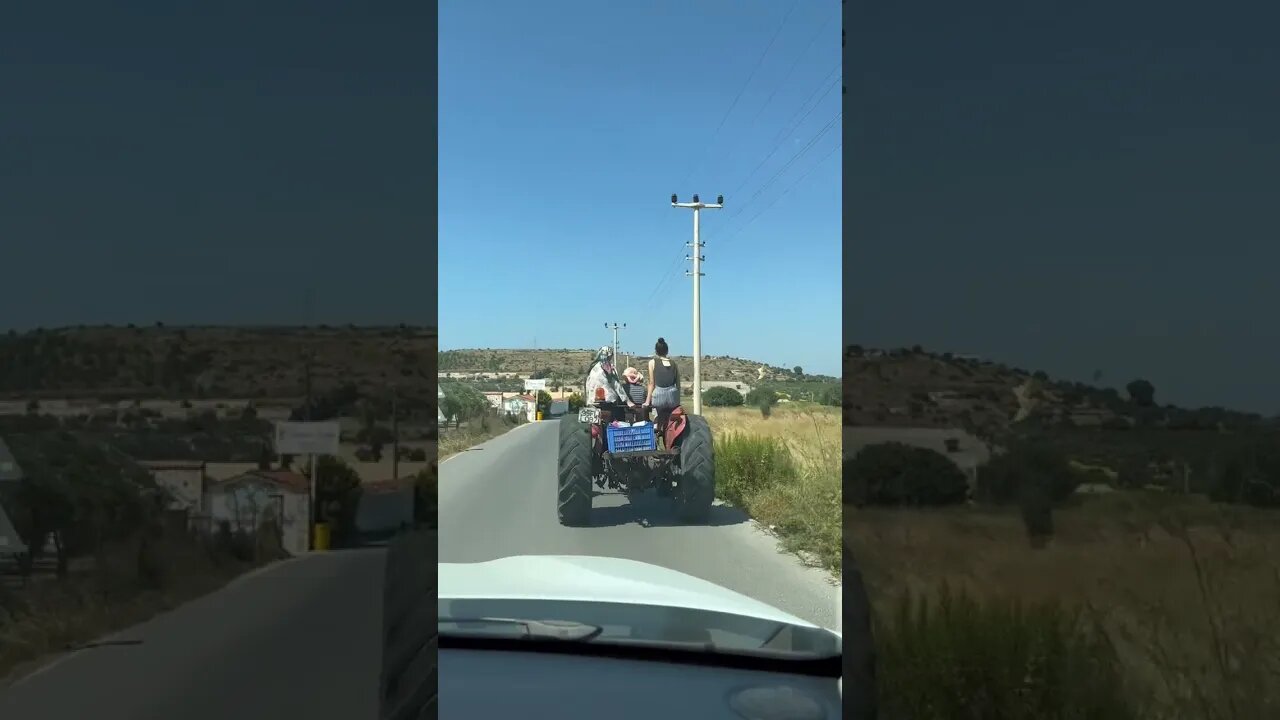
{"x":1188,"y":592}
{"x":474,"y":432}
{"x":795,"y":493}
{"x":811,"y":432}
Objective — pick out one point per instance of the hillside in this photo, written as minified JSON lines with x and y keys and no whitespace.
{"x":915,"y":388}
{"x":214,"y":362}
{"x":570,"y":364}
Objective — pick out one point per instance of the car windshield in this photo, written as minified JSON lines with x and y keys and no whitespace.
{"x":634,"y":624}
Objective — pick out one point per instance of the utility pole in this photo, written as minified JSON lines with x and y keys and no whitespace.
{"x":615,"y":329}
{"x":311,"y":459}
{"x":697,"y":206}
{"x":395,"y":439}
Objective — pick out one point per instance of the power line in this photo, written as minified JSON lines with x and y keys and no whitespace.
{"x":778,"y":86}
{"x":743,"y":89}
{"x":792,"y":69}
{"x":812,"y":141}
{"x":790,"y":187}
{"x":662,"y":279}
{"x":825,"y":129}
{"x":790,"y":127}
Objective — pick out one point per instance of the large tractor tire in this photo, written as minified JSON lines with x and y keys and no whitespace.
{"x":696,"y":489}
{"x":574,"y":472}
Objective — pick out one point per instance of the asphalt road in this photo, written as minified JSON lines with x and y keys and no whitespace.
{"x":299,"y":639}
{"x":499,"y":499}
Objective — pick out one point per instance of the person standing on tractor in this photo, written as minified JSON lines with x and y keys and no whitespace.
{"x":664,"y":383}
{"x":603,"y":384}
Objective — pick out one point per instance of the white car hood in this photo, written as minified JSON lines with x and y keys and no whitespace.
{"x":598,"y":579}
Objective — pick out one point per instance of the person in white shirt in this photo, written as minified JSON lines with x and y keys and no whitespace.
{"x":603,"y":376}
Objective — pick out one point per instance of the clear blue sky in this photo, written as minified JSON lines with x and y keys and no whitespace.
{"x":566,"y":126}
{"x":1071,"y":187}
{"x":216,"y":163}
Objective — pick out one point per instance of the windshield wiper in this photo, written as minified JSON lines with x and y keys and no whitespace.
{"x":532,"y":629}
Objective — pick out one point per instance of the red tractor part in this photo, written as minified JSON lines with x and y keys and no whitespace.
{"x":674,"y":427}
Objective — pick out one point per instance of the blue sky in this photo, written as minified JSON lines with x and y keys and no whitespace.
{"x":1071,"y":187}
{"x":216,"y":163}
{"x":566,"y":126}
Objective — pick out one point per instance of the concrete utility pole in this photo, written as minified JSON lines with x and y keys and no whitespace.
{"x":616,"y":327}
{"x":697,"y":206}
{"x":395,"y":438}
{"x":309,"y":357}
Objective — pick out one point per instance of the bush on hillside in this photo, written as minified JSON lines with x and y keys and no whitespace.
{"x":764,"y":399}
{"x":1028,"y":468}
{"x":722,"y":397}
{"x":1141,"y":392}
{"x":831,"y":396}
{"x":1036,"y":478}
{"x":898,"y":474}
{"x":1250,"y":476}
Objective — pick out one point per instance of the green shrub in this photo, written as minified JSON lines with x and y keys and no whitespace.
{"x":425,"y":503}
{"x":1250,"y":475}
{"x":763,"y":398}
{"x":722,"y":397}
{"x":831,"y":396}
{"x":956,"y":658}
{"x":1004,"y":478}
{"x":899,"y":474}
{"x":747,"y":464}
{"x":1036,"y":507}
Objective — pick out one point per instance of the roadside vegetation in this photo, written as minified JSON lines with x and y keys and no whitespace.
{"x":470,"y":419}
{"x":1075,"y":575}
{"x":783,"y":469}
{"x":106,"y":553}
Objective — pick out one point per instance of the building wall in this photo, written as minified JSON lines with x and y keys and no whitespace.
{"x":970,"y":454}
{"x":245,"y":505}
{"x":185,"y":484}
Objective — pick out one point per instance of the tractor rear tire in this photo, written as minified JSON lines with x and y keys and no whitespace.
{"x":574,"y":473}
{"x":696,"y":488}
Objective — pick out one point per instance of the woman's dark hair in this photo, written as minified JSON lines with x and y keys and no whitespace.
{"x":660,"y":347}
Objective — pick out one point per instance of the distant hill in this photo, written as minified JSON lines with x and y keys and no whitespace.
{"x":572,"y":364}
{"x":208,"y":362}
{"x":915,"y":388}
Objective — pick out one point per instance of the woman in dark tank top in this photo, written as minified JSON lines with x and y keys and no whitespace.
{"x":664,"y":379}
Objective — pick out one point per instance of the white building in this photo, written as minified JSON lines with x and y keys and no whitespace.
{"x":247,"y":500}
{"x":10,"y":542}
{"x":521,"y":404}
{"x":183,"y":479}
